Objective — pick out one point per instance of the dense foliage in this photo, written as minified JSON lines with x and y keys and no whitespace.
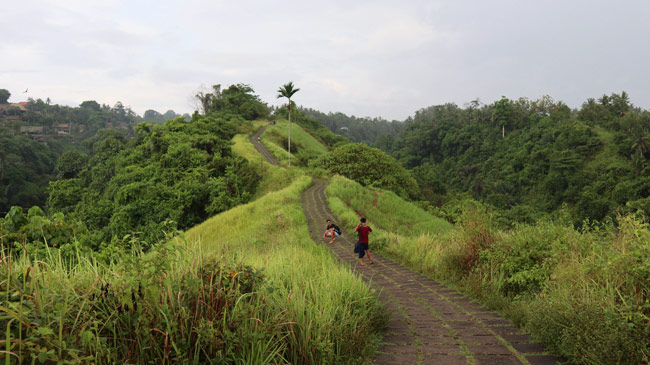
{"x":529,"y":158}
{"x":366,"y":130}
{"x":584,"y":293}
{"x":26,"y":167}
{"x":152,"y":116}
{"x":115,"y":182}
{"x":311,"y":125}
{"x":237,"y":100}
{"x":182,"y":171}
{"x":35,"y":134}
{"x":369,"y":167}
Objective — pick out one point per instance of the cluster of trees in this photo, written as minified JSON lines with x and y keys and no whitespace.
{"x":529,"y":158}
{"x":181,"y":172}
{"x":152,"y":116}
{"x":369,"y":167}
{"x":237,"y":100}
{"x":365,"y":130}
{"x":27,"y":164}
{"x":26,"y":167}
{"x":119,"y":187}
{"x":526,"y":158}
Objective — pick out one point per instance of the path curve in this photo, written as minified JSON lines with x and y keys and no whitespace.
{"x":429,"y":322}
{"x":261,"y":149}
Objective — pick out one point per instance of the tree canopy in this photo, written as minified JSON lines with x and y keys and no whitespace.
{"x":369,"y":167}
{"x":529,"y":158}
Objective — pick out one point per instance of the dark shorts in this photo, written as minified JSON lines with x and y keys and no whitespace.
{"x":361,"y":249}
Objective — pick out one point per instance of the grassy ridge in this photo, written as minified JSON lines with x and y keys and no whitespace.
{"x":585,"y":294}
{"x":273,"y":177}
{"x":246,"y":286}
{"x":381,"y":207}
{"x":303,"y":145}
{"x":334,"y":312}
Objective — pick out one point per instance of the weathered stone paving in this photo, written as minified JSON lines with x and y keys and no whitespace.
{"x":260,"y":147}
{"x":429,"y":323}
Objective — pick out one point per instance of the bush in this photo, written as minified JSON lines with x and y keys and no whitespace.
{"x":369,"y":167}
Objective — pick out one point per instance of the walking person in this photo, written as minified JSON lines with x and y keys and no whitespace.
{"x":362,"y":244}
{"x":332,"y":231}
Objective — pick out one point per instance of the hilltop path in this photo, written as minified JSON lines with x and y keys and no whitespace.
{"x":261,"y":149}
{"x":429,"y":323}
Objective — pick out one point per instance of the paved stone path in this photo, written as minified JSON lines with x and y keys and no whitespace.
{"x":260,"y":147}
{"x":429,"y":323}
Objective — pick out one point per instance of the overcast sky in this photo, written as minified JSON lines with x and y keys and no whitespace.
{"x":374,"y":58}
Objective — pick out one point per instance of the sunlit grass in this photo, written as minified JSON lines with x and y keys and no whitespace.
{"x":303,"y":278}
{"x":298,"y":135}
{"x":242,"y":147}
{"x":274,"y":139}
{"x":153,"y":307}
{"x":385,"y":209}
{"x":584,"y":294}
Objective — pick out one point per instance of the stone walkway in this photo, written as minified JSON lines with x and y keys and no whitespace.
{"x":429,"y":323}
{"x":260,"y":147}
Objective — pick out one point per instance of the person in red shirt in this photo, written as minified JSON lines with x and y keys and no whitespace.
{"x":362,"y":245}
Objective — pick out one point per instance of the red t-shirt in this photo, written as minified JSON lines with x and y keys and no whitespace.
{"x":363,"y":233}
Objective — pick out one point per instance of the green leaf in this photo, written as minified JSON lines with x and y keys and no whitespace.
{"x":44,"y":331}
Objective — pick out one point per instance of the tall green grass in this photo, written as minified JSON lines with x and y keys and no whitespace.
{"x":299,"y":136}
{"x":385,"y":209}
{"x":273,"y":178}
{"x":585,"y":294}
{"x":304,"y":147}
{"x":334,"y":312}
{"x":248,"y":286}
{"x":242,"y":147}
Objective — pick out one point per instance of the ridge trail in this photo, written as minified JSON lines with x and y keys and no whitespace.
{"x":261,"y":149}
{"x":429,"y":322}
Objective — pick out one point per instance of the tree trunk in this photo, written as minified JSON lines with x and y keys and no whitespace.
{"x":289,"y":147}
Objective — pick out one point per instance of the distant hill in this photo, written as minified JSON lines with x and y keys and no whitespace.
{"x":366,"y":130}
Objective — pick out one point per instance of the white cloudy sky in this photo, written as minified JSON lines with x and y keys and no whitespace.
{"x":365,"y":58}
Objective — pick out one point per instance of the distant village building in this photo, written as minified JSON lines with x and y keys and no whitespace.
{"x":13,"y":111}
{"x":21,"y":105}
{"x":62,"y":129}
{"x":30,"y":129}
{"x":344,"y":128}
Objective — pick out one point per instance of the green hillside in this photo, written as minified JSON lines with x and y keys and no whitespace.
{"x":304,"y":146}
{"x":182,"y":245}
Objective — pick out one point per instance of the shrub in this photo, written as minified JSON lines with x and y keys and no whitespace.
{"x":369,"y":167}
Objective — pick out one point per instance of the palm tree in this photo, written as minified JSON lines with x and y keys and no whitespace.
{"x":286,"y":91}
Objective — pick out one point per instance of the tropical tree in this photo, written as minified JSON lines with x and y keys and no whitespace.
{"x":206,"y":99}
{"x":4,"y":96}
{"x":286,"y":91}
